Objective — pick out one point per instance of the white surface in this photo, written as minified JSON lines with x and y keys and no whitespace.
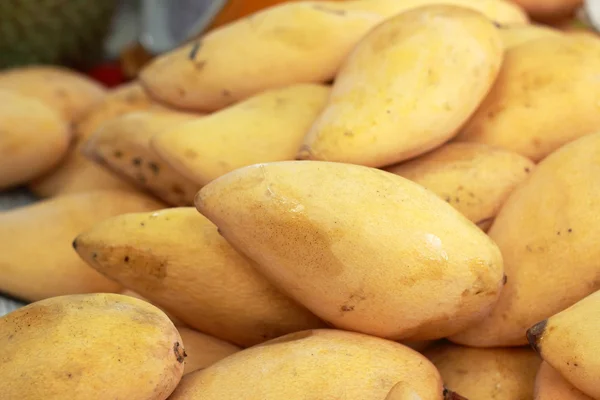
{"x":591,"y":9}
{"x":8,"y":200}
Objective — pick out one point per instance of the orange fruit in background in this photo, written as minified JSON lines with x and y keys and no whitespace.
{"x":235,"y":9}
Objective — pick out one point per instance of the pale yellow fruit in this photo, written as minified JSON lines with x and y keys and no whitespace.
{"x":297,"y":42}
{"x":123,"y":146}
{"x":359,"y":246}
{"x":36,"y":257}
{"x":69,"y":93}
{"x":89,"y":347}
{"x":177,"y":259}
{"x":402,"y":391}
{"x":174,"y":319}
{"x":546,"y":95}
{"x":77,"y":174}
{"x":547,"y":231}
{"x":515,"y":35}
{"x":33,"y":138}
{"x":568,"y":341}
{"x":203,"y":350}
{"x":503,"y":12}
{"x":314,"y":365}
{"x":483,"y":374}
{"x":550,"y":385}
{"x":267,"y":127}
{"x":474,"y":178}
{"x":447,"y":57}
{"x":125,"y":98}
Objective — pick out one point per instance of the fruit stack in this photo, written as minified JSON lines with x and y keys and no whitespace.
{"x":359,"y":200}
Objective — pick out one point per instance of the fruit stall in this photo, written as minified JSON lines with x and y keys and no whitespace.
{"x":300,"y":200}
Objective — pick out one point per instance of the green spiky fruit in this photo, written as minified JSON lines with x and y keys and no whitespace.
{"x":66,"y":32}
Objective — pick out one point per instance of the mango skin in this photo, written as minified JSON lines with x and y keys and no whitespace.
{"x":203,"y":350}
{"x":481,"y":374}
{"x":301,"y":42}
{"x":77,"y":174}
{"x":546,"y":96}
{"x":297,"y":42}
{"x":122,"y":145}
{"x":177,"y":259}
{"x":314,"y":365}
{"x":34,"y":138}
{"x":305,"y":225}
{"x":474,"y":178}
{"x":373,"y":118}
{"x":515,"y":35}
{"x":89,"y":347}
{"x":71,"y":94}
{"x":267,"y":127}
{"x":547,"y":227}
{"x":568,"y":341}
{"x":550,"y":385}
{"x":37,"y":259}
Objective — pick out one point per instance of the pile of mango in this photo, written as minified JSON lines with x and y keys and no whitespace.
{"x":370,"y":199}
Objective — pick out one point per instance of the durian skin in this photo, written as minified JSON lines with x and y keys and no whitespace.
{"x":62,"y":32}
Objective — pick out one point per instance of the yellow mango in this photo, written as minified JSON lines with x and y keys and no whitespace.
{"x":407,"y":87}
{"x":474,"y":178}
{"x":314,"y":365}
{"x":568,"y":341}
{"x":177,"y":259}
{"x":483,"y":374}
{"x":297,"y":42}
{"x":550,"y":385}
{"x":33,"y":138}
{"x":548,"y":231}
{"x":514,"y":35}
{"x":267,"y":127}
{"x":358,"y":246}
{"x":36,"y":257}
{"x":77,"y":174}
{"x":546,"y":95}
{"x":69,"y":93}
{"x":123,"y":146}
{"x":203,"y":350}
{"x":89,"y":347}
{"x":174,"y":319}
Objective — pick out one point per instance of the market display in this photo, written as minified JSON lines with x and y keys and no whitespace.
{"x":320,"y":200}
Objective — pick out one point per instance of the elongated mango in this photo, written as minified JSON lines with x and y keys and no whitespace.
{"x":70,"y":93}
{"x":407,"y":87}
{"x":474,"y":178}
{"x":314,"y":365}
{"x":123,"y":146}
{"x":36,"y":257}
{"x":482,"y":374}
{"x":33,"y":138}
{"x":267,"y":127}
{"x":550,"y":385}
{"x":548,"y":227}
{"x":203,"y":350}
{"x":547,"y":94}
{"x":89,"y":347}
{"x":359,"y":246}
{"x":177,"y":259}
{"x":297,"y":42}
{"x":76,"y":173}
